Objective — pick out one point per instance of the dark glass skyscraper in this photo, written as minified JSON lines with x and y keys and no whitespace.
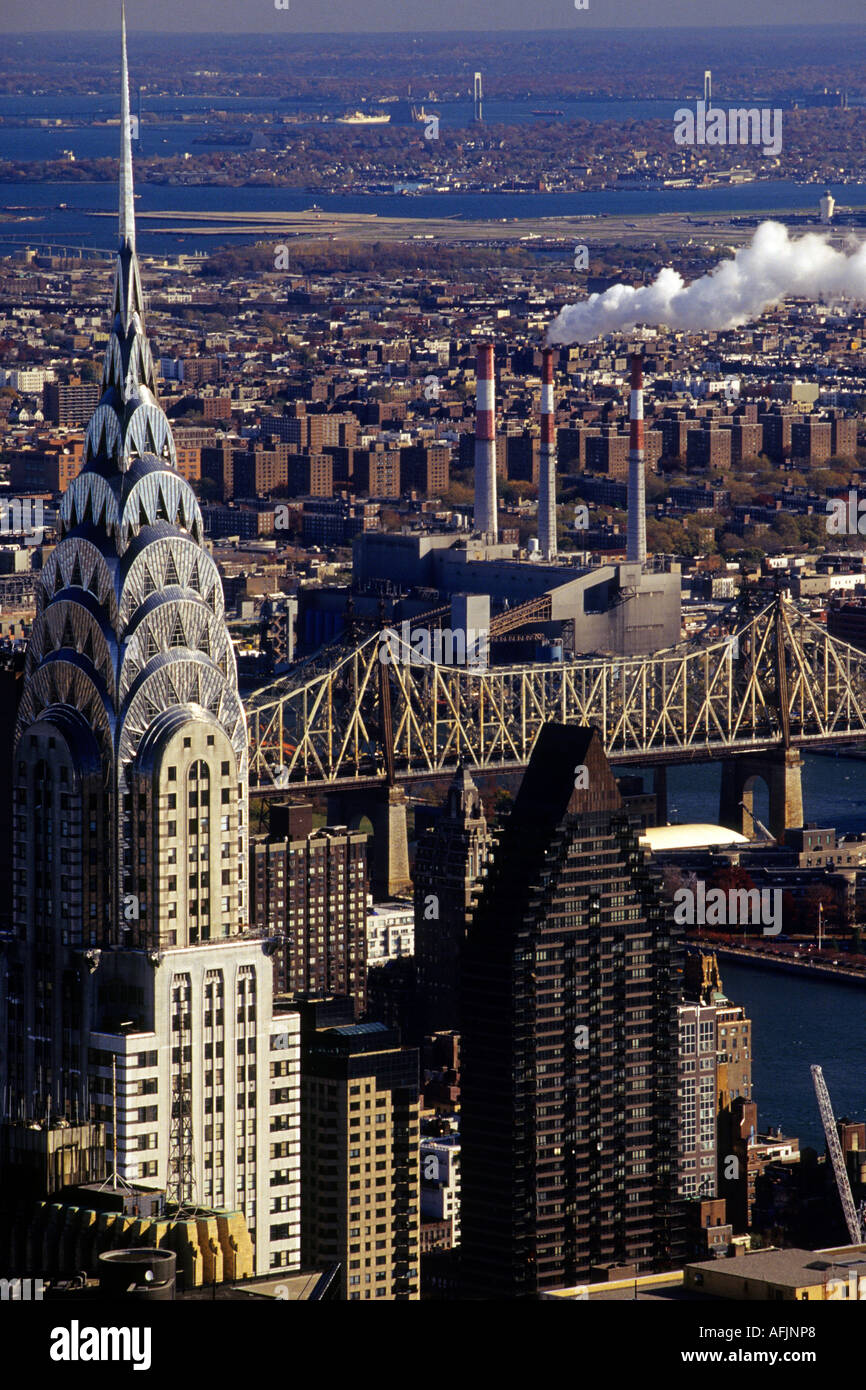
{"x":571,"y":974}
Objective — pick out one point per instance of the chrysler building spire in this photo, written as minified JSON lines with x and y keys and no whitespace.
{"x":128,"y":422}
{"x":129,"y":670}
{"x":127,"y":208}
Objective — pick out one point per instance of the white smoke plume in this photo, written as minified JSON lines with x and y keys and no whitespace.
{"x":759,"y":276}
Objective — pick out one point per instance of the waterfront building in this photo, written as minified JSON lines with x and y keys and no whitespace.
{"x":717,"y":1117}
{"x":697,"y":1100}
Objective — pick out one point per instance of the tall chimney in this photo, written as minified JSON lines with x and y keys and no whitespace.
{"x":547,"y":462}
{"x":636,"y":552}
{"x":485,"y":444}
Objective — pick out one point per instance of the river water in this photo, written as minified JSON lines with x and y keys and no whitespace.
{"x":65,"y":212}
{"x":834,"y":793}
{"x":796,"y":1022}
{"x":76,"y":224}
{"x":161,"y":133}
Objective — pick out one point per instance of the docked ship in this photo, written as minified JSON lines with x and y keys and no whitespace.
{"x":364,"y":118}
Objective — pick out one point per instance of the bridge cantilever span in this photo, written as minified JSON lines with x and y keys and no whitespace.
{"x":780,"y":682}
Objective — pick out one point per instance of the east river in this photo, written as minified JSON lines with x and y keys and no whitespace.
{"x":796,"y":1021}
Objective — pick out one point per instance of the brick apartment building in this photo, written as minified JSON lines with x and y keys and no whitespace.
{"x":311,"y":888}
{"x":70,"y":403}
{"x":811,"y":442}
{"x":46,"y":469}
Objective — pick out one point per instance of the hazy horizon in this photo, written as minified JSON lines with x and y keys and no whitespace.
{"x":414,"y":16}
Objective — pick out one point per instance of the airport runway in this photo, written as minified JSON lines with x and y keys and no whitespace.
{"x":635,"y":229}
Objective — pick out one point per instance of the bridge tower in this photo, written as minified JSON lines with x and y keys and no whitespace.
{"x":782,"y":772}
{"x":390,"y":871}
{"x":389,"y":874}
{"x":781,"y":769}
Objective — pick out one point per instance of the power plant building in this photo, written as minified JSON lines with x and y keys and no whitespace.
{"x":617,"y":608}
{"x":624,"y":609}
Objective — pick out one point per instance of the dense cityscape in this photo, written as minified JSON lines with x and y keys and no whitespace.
{"x":433,"y":669}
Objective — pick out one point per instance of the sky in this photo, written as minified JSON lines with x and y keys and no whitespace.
{"x":408,"y":16}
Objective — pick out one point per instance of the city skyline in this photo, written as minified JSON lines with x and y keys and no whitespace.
{"x":433,"y":662}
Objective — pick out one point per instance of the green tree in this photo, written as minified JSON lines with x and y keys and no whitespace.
{"x":206,"y":489}
{"x":786,"y":528}
{"x":517,"y":490}
{"x":457,"y":494}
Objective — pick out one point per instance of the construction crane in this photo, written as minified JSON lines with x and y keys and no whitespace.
{"x":853,"y":1218}
{"x":759,"y":824}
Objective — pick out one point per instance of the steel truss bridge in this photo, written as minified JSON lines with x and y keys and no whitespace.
{"x":348,"y":717}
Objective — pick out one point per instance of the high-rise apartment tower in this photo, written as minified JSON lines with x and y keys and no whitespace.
{"x":569,"y":1049}
{"x":361,"y":1141}
{"x":310,"y":887}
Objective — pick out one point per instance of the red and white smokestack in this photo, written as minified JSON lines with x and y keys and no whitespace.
{"x":485,"y":444}
{"x":636,"y":551}
{"x":547,"y":462}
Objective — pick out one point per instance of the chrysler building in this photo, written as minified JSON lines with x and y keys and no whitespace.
{"x":133,"y":978}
